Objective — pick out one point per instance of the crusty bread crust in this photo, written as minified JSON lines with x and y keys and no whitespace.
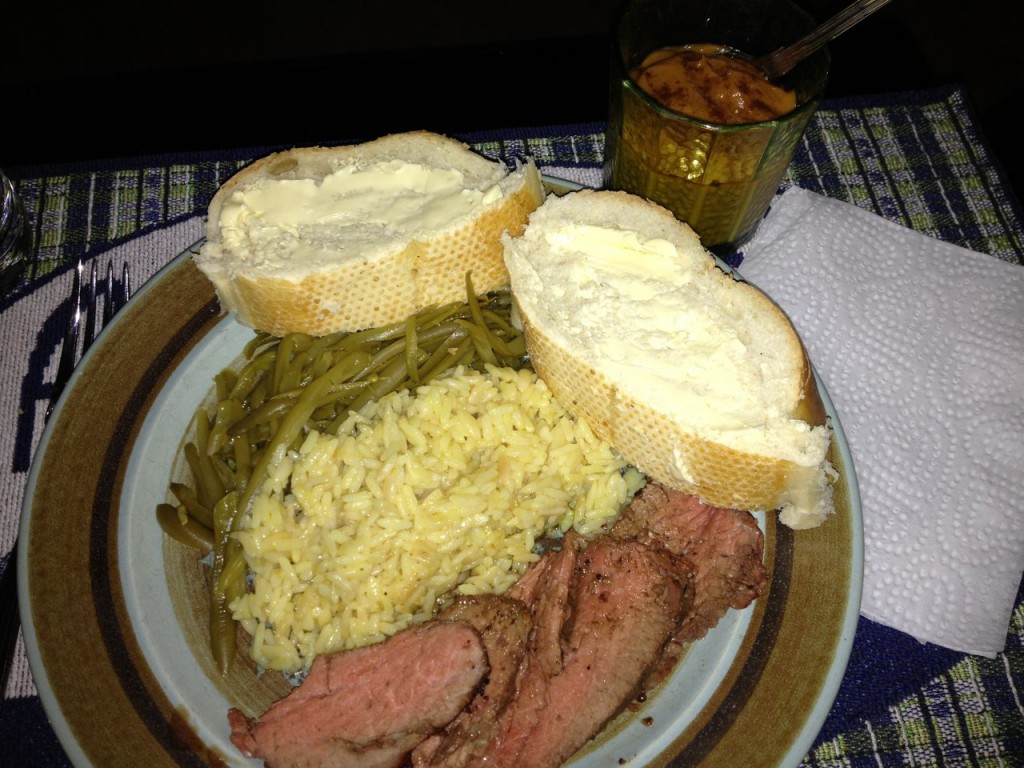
{"x":387,"y":284}
{"x":722,"y":476}
{"x":640,"y":428}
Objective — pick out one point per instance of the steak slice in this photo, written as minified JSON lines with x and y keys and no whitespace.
{"x":369,"y":706}
{"x":725,"y":547}
{"x":626,"y":600}
{"x":504,"y":623}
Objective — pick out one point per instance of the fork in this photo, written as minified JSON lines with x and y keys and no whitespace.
{"x":69,"y":353}
{"x":113,"y":298}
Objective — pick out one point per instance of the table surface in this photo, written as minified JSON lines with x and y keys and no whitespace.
{"x":916,"y":158}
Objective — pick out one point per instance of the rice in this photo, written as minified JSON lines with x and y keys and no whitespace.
{"x":356,"y":536}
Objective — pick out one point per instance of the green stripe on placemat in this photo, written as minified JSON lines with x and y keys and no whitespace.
{"x":932,"y":728}
{"x":77,"y":212}
{"x":971,"y":716}
{"x":916,"y":163}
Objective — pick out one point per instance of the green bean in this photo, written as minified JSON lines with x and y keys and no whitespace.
{"x":232,"y":575}
{"x":222,"y":625}
{"x":208,"y":485}
{"x":411,"y":350}
{"x":225,"y":382}
{"x":494,"y":345}
{"x":229,"y":412}
{"x":445,"y":349}
{"x":284,"y":375}
{"x":462,"y":354}
{"x":392,"y":379}
{"x":242,"y":452}
{"x":262,"y":338}
{"x":224,"y":471}
{"x":481,"y":342}
{"x":492,"y":318}
{"x":251,"y":375}
{"x":258,"y":395}
{"x":280,"y":404}
{"x":429,"y":318}
{"x":188,"y":499}
{"x":266,"y":411}
{"x":189,"y":531}
{"x":383,"y":357}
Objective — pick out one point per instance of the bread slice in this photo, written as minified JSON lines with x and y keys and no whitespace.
{"x":324,"y":239}
{"x":697,"y":378}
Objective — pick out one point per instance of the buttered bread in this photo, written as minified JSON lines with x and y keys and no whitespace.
{"x":697,"y":378}
{"x":324,"y":239}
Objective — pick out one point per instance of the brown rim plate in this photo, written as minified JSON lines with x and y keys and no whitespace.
{"x":116,"y":643}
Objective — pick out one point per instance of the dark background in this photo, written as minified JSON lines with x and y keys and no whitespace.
{"x":116,"y":79}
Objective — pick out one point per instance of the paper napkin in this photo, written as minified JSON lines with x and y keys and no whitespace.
{"x":921,"y":346}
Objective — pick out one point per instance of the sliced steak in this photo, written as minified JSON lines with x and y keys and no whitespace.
{"x":369,"y":706}
{"x":626,"y":600}
{"x":724,"y":546}
{"x":504,"y":623}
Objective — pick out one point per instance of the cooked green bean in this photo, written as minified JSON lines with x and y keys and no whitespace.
{"x":225,"y":382}
{"x":242,"y":454}
{"x":391,"y":379}
{"x":287,"y":376}
{"x":208,"y":485}
{"x":412,"y":350}
{"x":222,"y":625}
{"x":188,"y":531}
{"x":251,"y":375}
{"x":232,"y":575}
{"x":462,"y":354}
{"x":446,"y":349}
{"x":188,"y":499}
{"x":228,"y":413}
{"x":482,"y":343}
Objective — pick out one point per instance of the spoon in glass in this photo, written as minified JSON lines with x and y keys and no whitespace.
{"x":781,"y":60}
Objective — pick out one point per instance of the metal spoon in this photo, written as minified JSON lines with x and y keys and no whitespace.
{"x":781,"y":60}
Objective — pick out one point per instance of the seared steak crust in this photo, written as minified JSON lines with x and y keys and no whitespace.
{"x":628,"y":601}
{"x":724,"y":546}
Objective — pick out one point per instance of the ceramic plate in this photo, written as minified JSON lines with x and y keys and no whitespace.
{"x":113,"y":613}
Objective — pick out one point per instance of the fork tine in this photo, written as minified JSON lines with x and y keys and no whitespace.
{"x":69,"y":346}
{"x":89,"y":332}
{"x":108,"y":304}
{"x":126,"y":285}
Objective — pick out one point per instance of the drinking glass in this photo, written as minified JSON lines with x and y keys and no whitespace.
{"x":720,"y":179}
{"x":14,"y":235}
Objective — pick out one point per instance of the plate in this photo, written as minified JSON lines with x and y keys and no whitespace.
{"x":116,"y":642}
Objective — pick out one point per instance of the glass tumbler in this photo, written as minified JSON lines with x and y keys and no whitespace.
{"x":720,"y":179}
{"x":14,"y":235}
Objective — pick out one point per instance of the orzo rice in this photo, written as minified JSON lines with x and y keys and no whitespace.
{"x":356,"y":536}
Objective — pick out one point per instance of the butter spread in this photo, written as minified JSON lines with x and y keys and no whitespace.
{"x":280,"y":221}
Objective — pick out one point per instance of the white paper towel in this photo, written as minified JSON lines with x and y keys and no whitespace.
{"x":921,"y":346}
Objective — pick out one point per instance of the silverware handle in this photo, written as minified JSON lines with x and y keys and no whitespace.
{"x":780,"y":61}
